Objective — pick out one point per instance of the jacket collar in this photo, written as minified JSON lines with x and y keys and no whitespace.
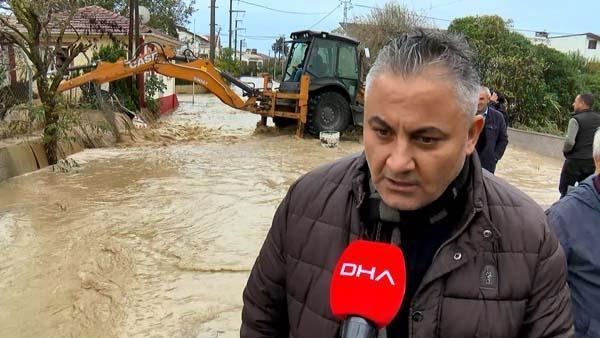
{"x":476,"y":201}
{"x":471,"y":227}
{"x":475,"y":189}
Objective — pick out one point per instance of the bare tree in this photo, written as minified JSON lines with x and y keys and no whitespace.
{"x":380,"y":25}
{"x":38,"y":28}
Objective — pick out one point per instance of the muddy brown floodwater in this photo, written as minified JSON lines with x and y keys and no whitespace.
{"x":157,"y":239}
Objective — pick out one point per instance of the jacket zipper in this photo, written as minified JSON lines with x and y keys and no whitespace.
{"x":458,"y":233}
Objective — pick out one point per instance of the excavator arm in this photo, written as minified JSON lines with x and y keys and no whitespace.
{"x":199,"y":71}
{"x":204,"y":73}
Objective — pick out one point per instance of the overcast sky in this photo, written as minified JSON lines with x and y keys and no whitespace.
{"x":262,"y":24}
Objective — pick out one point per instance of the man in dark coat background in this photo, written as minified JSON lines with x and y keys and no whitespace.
{"x":494,"y":137}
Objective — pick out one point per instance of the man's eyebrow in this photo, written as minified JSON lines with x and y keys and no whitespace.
{"x":426,"y":130}
{"x":379,"y":121}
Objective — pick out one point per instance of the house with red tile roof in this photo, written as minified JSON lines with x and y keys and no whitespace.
{"x":102,"y":27}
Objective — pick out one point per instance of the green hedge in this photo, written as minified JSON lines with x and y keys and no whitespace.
{"x":539,"y":82}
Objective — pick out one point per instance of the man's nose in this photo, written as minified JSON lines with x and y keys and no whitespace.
{"x":401,"y":159}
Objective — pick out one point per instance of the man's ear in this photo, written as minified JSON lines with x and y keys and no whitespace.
{"x":475,"y":129}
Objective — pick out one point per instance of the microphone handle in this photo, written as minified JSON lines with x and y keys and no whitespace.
{"x":358,"y":327}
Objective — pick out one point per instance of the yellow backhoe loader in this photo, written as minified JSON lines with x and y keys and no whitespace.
{"x":322,"y":86}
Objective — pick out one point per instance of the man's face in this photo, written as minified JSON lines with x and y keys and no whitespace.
{"x":416,"y":144}
{"x":578,"y":105}
{"x":484,"y":98}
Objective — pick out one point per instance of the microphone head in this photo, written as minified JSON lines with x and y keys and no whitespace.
{"x":369,"y":281}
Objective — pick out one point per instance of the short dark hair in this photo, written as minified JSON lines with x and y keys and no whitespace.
{"x":588,"y":99}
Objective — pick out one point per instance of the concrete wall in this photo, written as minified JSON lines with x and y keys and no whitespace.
{"x":27,"y":155}
{"x":543,"y":144}
{"x":188,"y":89}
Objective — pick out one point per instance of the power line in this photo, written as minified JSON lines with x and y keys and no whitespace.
{"x":447,"y":20}
{"x":280,"y":10}
{"x":260,"y":36}
{"x":365,"y":6}
{"x":325,"y":17}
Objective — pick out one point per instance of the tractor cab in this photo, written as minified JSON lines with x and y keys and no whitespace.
{"x":329,"y":59}
{"x":335,"y":66}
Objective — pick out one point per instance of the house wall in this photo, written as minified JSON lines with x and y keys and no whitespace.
{"x":578,"y":43}
{"x":168,"y":99}
{"x":196,"y":45}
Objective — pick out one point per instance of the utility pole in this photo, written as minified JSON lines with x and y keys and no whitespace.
{"x":218,"y":38}
{"x":212,"y":31}
{"x":130,"y":83}
{"x":130,"y":30}
{"x":139,"y":79}
{"x":241,"y":46}
{"x":231,"y":11}
{"x":137,"y":23}
{"x":347,"y":6}
{"x":284,"y":54}
{"x":235,"y":42}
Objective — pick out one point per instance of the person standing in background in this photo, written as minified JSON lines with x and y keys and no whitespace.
{"x":577,"y":149}
{"x":493,"y":139}
{"x":498,"y":102}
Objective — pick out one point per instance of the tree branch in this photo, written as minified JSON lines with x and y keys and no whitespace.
{"x":15,"y":30}
{"x":65,"y":24}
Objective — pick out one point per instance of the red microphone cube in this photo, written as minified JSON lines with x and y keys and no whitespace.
{"x":369,"y":281}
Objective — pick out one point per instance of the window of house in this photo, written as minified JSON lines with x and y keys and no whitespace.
{"x":592,"y":44}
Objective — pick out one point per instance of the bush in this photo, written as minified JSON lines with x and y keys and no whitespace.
{"x":128,"y":96}
{"x":539,"y":82}
{"x":153,"y":86}
{"x":227,"y":64}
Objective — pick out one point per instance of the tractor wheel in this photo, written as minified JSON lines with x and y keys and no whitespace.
{"x":281,"y":122}
{"x":328,"y":111}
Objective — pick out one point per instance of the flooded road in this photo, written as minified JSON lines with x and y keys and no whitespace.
{"x":157,"y":238}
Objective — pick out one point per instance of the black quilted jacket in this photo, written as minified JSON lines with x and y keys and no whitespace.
{"x":501,"y":274}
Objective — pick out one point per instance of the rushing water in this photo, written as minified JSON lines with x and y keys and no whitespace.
{"x":156,"y":238}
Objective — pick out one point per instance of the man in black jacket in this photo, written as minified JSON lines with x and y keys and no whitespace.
{"x":579,"y":163}
{"x":494,"y":138}
{"x":480,"y":258}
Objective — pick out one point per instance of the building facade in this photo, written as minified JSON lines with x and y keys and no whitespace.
{"x":586,"y":44}
{"x":101,"y":27}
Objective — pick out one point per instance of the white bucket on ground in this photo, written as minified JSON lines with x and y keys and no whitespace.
{"x":329,"y":139}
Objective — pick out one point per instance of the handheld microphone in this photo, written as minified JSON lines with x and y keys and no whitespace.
{"x":367,"y":287}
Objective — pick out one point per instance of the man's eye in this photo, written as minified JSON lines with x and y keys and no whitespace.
{"x":426,"y":140}
{"x":382,"y":132}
